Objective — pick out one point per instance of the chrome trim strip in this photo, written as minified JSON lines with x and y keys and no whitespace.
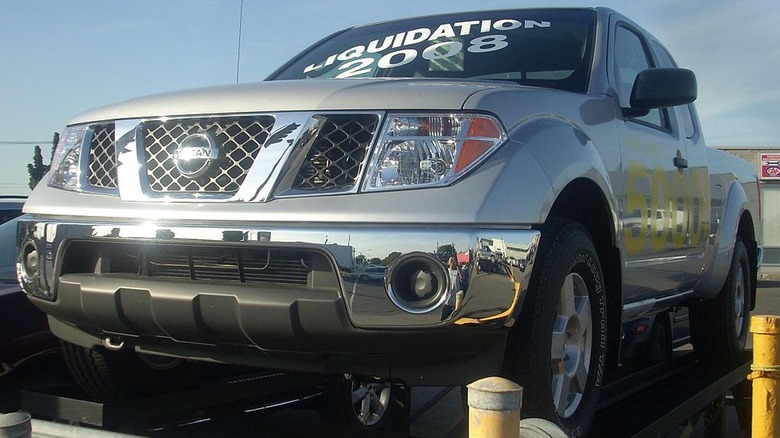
{"x":640,"y":308}
{"x":264,"y":173}
{"x":129,"y":168}
{"x":656,"y":261}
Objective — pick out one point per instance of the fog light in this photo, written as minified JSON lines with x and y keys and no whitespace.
{"x":417,"y":283}
{"x":29,"y":272}
{"x":29,"y":261}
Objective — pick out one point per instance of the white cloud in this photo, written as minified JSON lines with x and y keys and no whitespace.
{"x":732,"y":48}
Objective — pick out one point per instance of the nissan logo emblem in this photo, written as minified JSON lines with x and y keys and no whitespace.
{"x":196,"y":154}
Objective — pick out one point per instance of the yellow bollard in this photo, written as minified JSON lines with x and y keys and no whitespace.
{"x":494,"y":408}
{"x":765,"y":375}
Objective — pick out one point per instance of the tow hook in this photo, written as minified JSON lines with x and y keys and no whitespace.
{"x":113,"y":344}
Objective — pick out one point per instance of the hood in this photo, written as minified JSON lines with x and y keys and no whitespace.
{"x":299,"y":95}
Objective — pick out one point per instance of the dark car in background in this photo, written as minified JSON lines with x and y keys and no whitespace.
{"x":24,"y":330}
{"x":11,"y":207}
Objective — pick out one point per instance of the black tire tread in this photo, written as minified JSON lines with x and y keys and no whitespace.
{"x":527,"y":342}
{"x":90,"y":370}
{"x":113,"y":375}
{"x":712,"y":333}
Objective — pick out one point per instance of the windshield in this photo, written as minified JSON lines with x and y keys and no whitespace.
{"x":549,"y":48}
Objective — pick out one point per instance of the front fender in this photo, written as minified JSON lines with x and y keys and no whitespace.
{"x":566,"y":153}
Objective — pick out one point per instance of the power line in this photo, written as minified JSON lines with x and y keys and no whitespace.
{"x":25,"y":142}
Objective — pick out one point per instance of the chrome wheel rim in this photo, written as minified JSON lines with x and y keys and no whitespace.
{"x":572,"y":345}
{"x":370,"y":401}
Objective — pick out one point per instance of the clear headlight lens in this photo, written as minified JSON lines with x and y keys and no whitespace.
{"x":425,"y":150}
{"x":65,"y":165}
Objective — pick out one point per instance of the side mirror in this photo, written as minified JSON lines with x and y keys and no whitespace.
{"x":661,"y":88}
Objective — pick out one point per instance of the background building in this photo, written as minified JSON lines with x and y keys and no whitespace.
{"x":767,"y":162}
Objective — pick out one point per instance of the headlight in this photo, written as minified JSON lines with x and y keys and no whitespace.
{"x":425,"y":150}
{"x":66,"y":163}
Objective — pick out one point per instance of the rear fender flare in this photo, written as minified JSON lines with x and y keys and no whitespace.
{"x":723,"y":235}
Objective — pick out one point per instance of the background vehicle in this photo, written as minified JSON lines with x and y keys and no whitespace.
{"x":24,"y":332}
{"x":203,"y":224}
{"x":10,"y":207}
{"x":375,"y":273}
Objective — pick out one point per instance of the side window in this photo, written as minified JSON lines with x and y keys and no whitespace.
{"x":686,"y":111}
{"x":632,"y":57}
{"x":665,"y":59}
{"x":687,"y":119}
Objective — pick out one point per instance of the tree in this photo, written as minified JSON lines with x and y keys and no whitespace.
{"x":37,"y":170}
{"x":391,"y":258}
{"x":446,"y":251}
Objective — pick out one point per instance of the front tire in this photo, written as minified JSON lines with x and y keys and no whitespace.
{"x":114,"y":375}
{"x":559,"y":346}
{"x":719,"y":327}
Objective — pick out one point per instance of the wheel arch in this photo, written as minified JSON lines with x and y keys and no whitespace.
{"x":735,"y":221}
{"x":583,"y":201}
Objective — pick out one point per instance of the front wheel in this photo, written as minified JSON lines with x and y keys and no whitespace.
{"x":559,"y":346}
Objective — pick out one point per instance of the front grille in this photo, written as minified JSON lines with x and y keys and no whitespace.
{"x":332,"y":161}
{"x":102,"y":157}
{"x":240,"y":139}
{"x":217,"y":263}
{"x":244,"y":266}
{"x":336,"y":156}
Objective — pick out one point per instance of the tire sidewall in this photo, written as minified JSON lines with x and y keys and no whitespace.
{"x":740,"y":260}
{"x":570,"y":250}
{"x":713,"y":322}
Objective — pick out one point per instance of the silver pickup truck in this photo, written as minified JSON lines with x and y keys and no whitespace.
{"x":532,"y":181}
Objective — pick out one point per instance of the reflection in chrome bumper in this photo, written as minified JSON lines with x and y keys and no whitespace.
{"x":491,"y":295}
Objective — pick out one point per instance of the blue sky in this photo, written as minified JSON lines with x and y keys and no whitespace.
{"x":59,"y":58}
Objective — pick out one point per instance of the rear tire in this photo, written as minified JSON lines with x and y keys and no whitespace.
{"x":659,"y":344}
{"x":719,"y":327}
{"x":558,"y":350}
{"x":113,"y":375}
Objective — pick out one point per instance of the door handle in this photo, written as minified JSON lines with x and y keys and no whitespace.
{"x":680,"y":162}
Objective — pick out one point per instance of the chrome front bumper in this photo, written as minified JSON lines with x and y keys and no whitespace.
{"x":106,"y":303}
